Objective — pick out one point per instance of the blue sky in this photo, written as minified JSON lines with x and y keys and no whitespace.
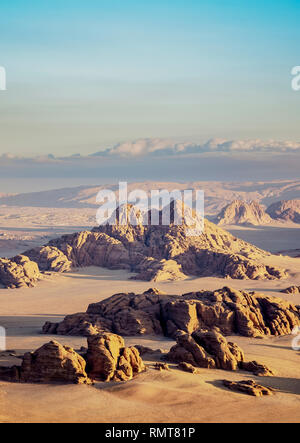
{"x":83,"y":75}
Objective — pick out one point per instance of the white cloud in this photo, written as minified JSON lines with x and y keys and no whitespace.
{"x":155,"y":146}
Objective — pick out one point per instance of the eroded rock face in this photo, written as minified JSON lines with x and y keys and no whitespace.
{"x":294,"y":290}
{"x":205,"y":349}
{"x":50,"y":259}
{"x":209,"y":349}
{"x":232,"y":311}
{"x":159,"y":270}
{"x":257,"y":369}
{"x":158,"y":252}
{"x":242,"y":213}
{"x":108,"y":359}
{"x":249,"y":387}
{"x":54,"y":363}
{"x":18,"y":272}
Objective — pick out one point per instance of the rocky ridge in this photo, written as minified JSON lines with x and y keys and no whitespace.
{"x":159,"y":252}
{"x":232,"y":311}
{"x":242,"y":213}
{"x":285,"y":210}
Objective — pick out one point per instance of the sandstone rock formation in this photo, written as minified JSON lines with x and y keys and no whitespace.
{"x":295,"y":290}
{"x":153,"y":270}
{"x":286,"y":210}
{"x":258,"y":369}
{"x":242,"y":213}
{"x":232,"y":311}
{"x":159,"y":252}
{"x":108,"y":359}
{"x":54,"y":363}
{"x":249,"y":387}
{"x":206,"y":349}
{"x":187,"y":367}
{"x":18,"y":272}
{"x":209,"y":349}
{"x":144,"y":350}
{"x":50,"y":259}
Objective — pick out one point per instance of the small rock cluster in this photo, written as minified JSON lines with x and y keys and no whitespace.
{"x":107,"y":359}
{"x":249,"y":387}
{"x":209,"y":349}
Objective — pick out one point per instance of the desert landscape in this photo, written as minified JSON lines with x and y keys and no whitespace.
{"x":235,"y":322}
{"x":149,"y":215}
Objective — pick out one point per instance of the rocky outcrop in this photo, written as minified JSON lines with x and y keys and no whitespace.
{"x":249,"y":387}
{"x":242,"y":213}
{"x":232,"y":311}
{"x":286,"y":210}
{"x":109,"y":360}
{"x":158,"y":252}
{"x":153,"y":270}
{"x":209,"y":349}
{"x":258,"y":369}
{"x":187,"y":367}
{"x":294,"y":290}
{"x":106,"y":359}
{"x":50,"y":259}
{"x":18,"y":272}
{"x":54,"y":363}
{"x":205,"y":349}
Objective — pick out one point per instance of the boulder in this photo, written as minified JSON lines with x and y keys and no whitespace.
{"x":109,"y":360}
{"x":249,"y":387}
{"x":187,"y":367}
{"x":54,"y":363}
{"x":161,"y":367}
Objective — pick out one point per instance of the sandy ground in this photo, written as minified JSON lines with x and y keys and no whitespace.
{"x":23,"y":228}
{"x":153,"y":396}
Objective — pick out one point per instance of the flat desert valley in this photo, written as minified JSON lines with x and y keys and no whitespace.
{"x":153,"y":396}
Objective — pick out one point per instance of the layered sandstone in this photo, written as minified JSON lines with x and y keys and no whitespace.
{"x":106,"y":359}
{"x":109,"y":360}
{"x":232,"y":311}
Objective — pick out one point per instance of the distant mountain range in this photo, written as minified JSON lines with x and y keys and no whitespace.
{"x":217,"y":194}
